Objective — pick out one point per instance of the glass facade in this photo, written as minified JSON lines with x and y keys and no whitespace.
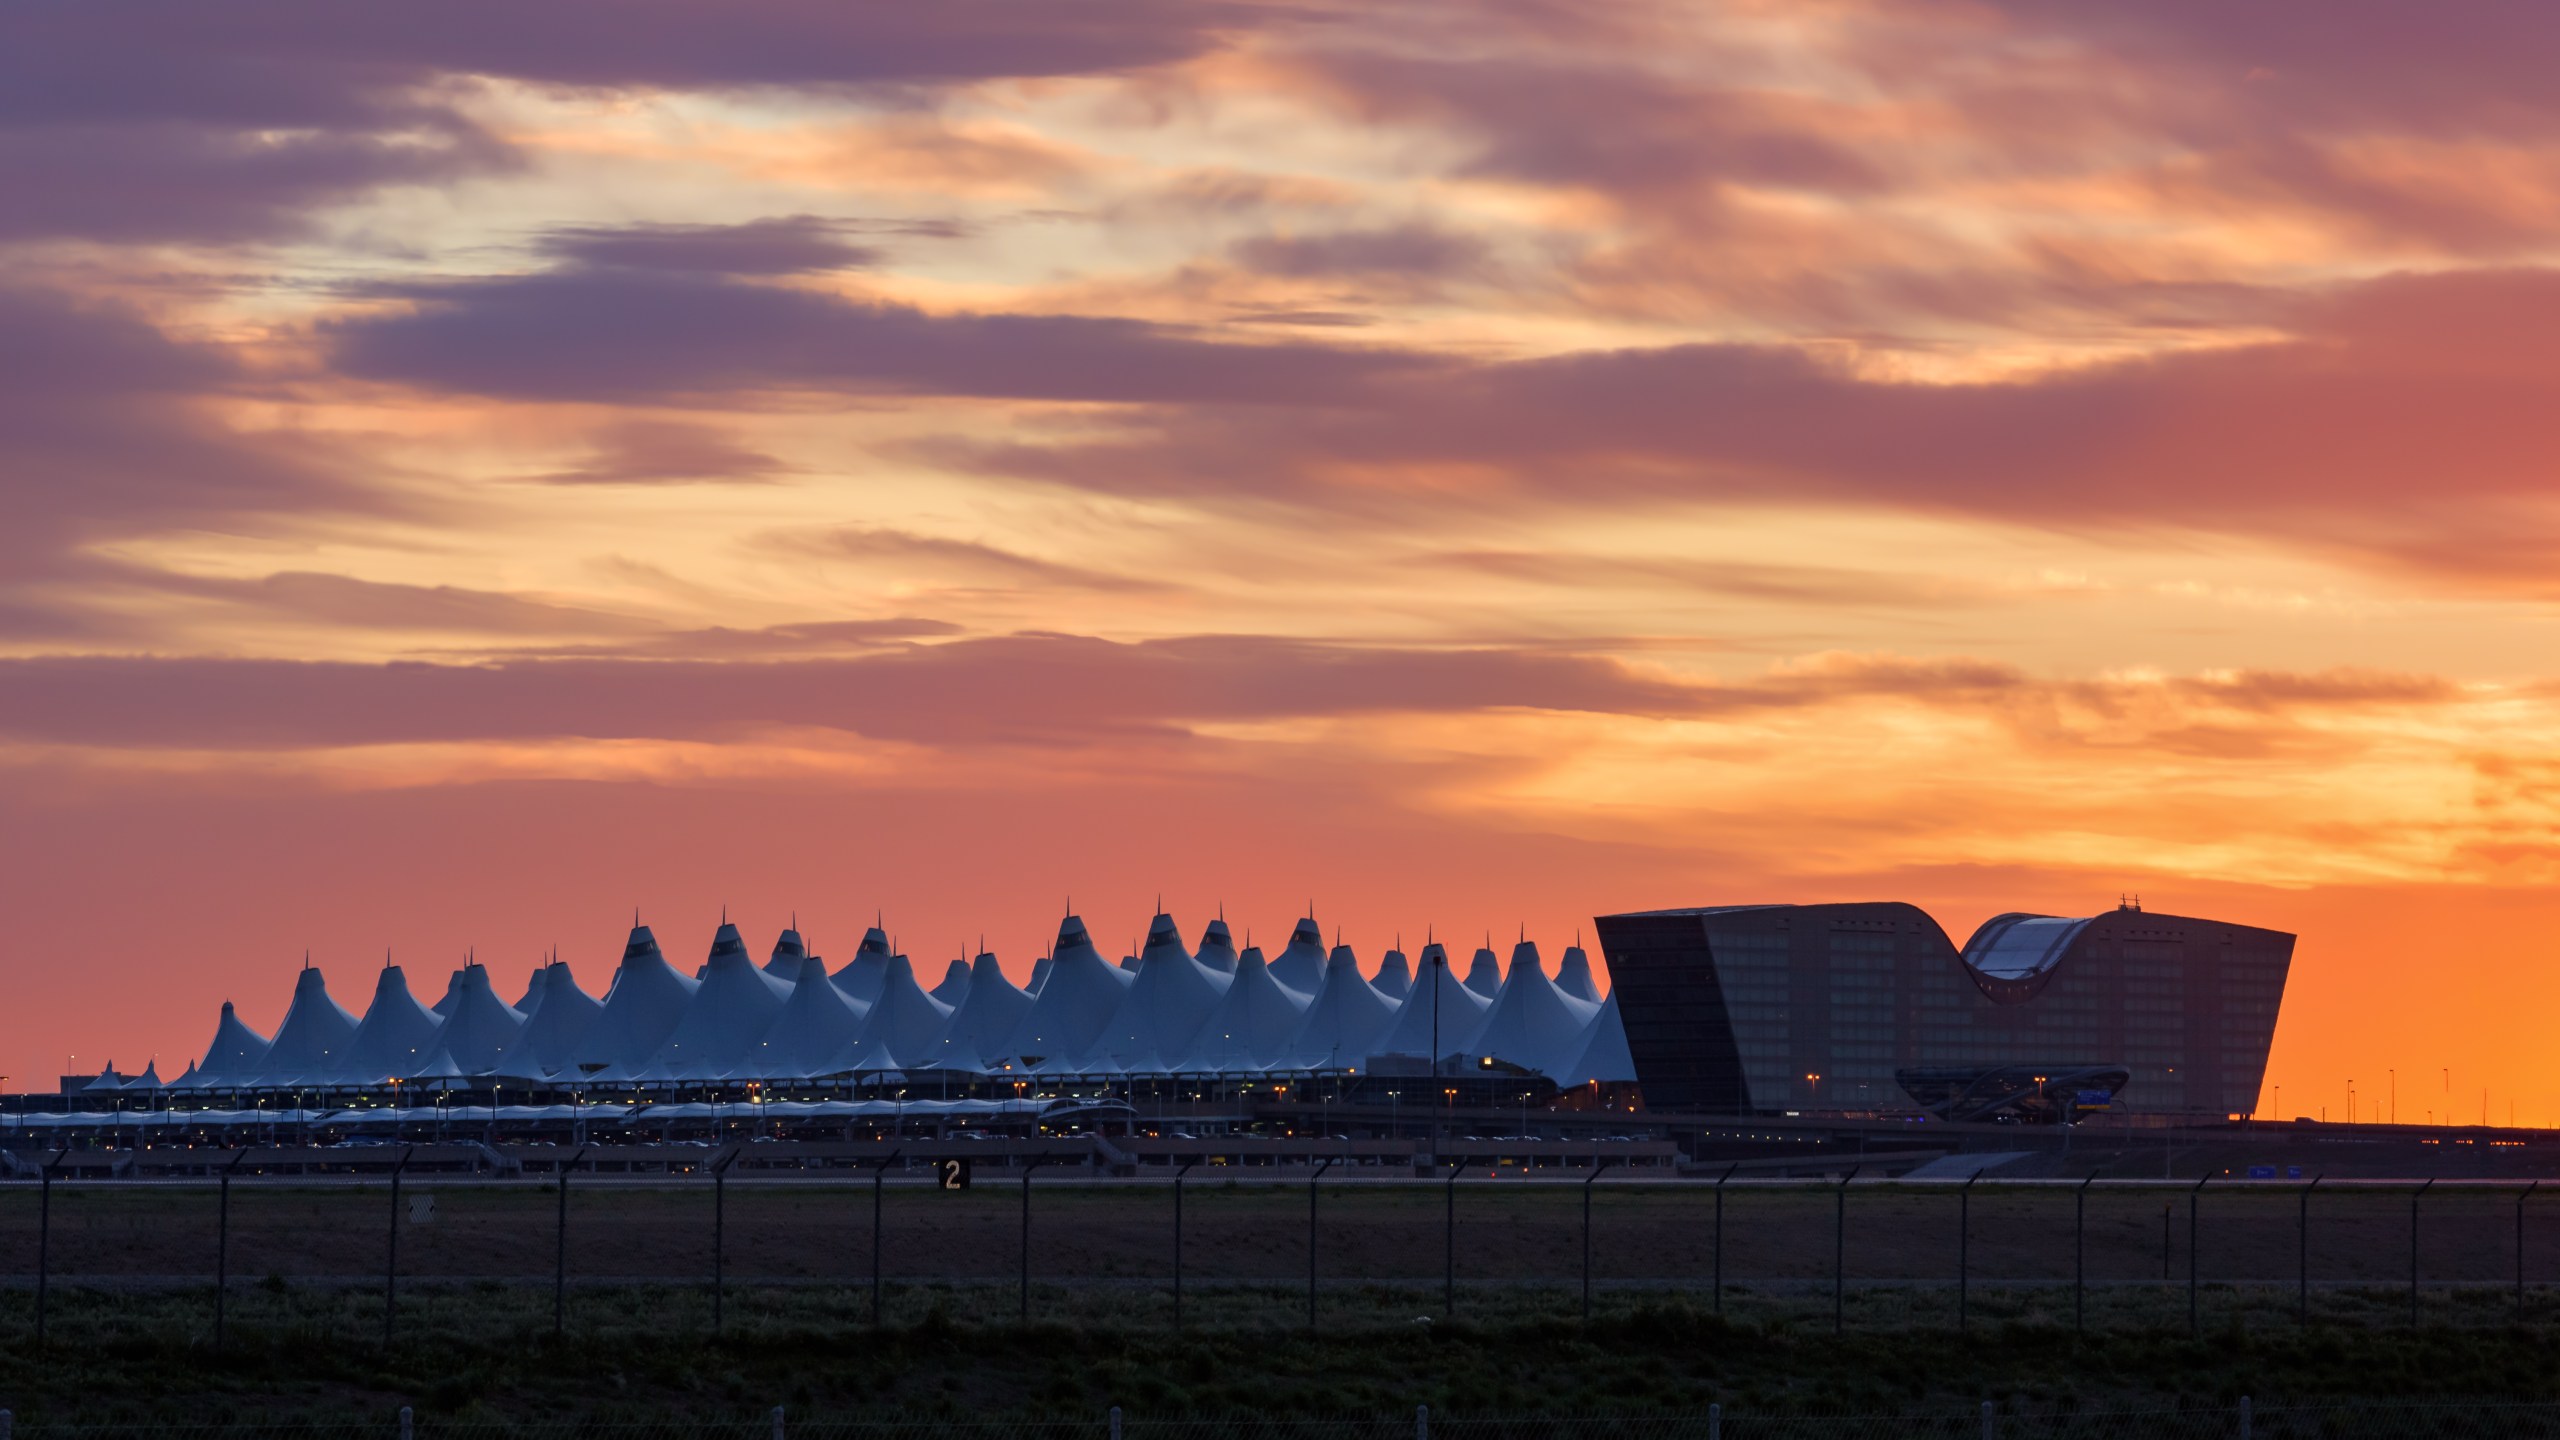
{"x":1771,"y":1008}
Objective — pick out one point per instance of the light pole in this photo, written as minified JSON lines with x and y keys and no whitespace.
{"x":2395,"y":1095}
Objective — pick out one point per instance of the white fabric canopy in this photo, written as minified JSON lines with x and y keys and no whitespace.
{"x":313,"y":1044}
{"x":731,"y":1010}
{"x":563,"y":1013}
{"x":1254,"y":1021}
{"x":1532,"y":1024}
{"x":905,"y":1023}
{"x":1574,"y":976}
{"x":235,"y":1054}
{"x":1300,"y":963}
{"x":1460,"y":1011}
{"x":1395,"y":976}
{"x":648,"y":998}
{"x":1344,"y":1022}
{"x":1218,"y":947}
{"x":395,"y":1034}
{"x":1166,"y":1007}
{"x":1074,"y":1008}
{"x":1603,"y":1054}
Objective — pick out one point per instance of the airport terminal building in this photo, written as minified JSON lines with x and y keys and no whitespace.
{"x":1770,"y":1009}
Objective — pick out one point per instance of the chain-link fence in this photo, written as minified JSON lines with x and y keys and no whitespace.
{"x":484,"y":1256}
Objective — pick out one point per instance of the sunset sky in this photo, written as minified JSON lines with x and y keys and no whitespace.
{"x":468,"y":472}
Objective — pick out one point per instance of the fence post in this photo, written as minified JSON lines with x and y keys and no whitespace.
{"x":777,"y":1422}
{"x":2080,"y":1255}
{"x":2194,"y":1202}
{"x":1029,"y":1165}
{"x":878,"y":1172}
{"x":1840,"y":1249}
{"x":2244,"y":1417}
{"x":1719,"y":1283}
{"x":719,"y":1246}
{"x":408,"y":1424}
{"x":391,"y":1252}
{"x":44,"y":1239}
{"x":1311,"y":1241}
{"x":1115,"y":1424}
{"x":1177,"y":1244}
{"x":1586,"y":1235}
{"x":1715,"y":1421}
{"x":2302,"y":1253}
{"x":1421,"y":1423}
{"x":1964,"y":1250}
{"x":1986,"y":1420}
{"x":2413,"y":1248}
{"x":2527,"y":1195}
{"x":560,"y":1253}
{"x":1449,"y":1241}
{"x":222,"y":1247}
{"x":8,"y":1422}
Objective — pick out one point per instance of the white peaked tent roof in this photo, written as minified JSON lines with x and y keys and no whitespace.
{"x":1604,"y":1054}
{"x":1166,"y":1007}
{"x":1040,"y":969}
{"x":734,"y":1007}
{"x":1345,"y":1019}
{"x":1574,"y":977}
{"x":479,"y":1032}
{"x":312,"y":1044}
{"x":1532,"y":1024}
{"x":1461,"y":1011}
{"x":113,"y":1079}
{"x":395,"y":1034}
{"x":819,"y":1032}
{"x":1395,"y":976}
{"x":1254,"y":1021}
{"x":868,"y":970}
{"x":647,"y":999}
{"x":1484,"y":973}
{"x":234,"y":1055}
{"x":790,"y":952}
{"x":1075,"y":1006}
{"x":1300,"y":964}
{"x":532,"y":998}
{"x":987,"y":1017}
{"x":1218,"y":947}
{"x":907,"y":1023}
{"x":562,"y":1015}
{"x":955,"y":984}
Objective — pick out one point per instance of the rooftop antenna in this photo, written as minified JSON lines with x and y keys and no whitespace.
{"x":306,"y":957}
{"x":1159,"y":902}
{"x":724,"y":912}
